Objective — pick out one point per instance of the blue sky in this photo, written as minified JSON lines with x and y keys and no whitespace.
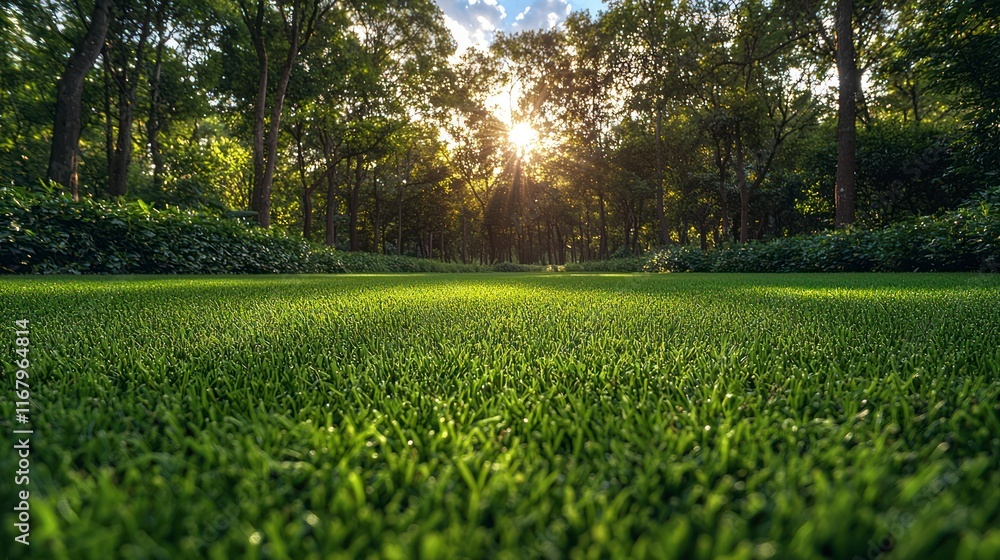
{"x":473,"y":22}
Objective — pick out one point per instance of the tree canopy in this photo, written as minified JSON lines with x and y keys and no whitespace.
{"x":651,"y":123}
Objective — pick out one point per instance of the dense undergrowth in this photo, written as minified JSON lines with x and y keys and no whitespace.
{"x":967,"y":239}
{"x":45,"y":234}
{"x":48,"y":234}
{"x":510,"y":416}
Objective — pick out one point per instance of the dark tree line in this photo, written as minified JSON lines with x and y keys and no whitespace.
{"x":652,"y":123}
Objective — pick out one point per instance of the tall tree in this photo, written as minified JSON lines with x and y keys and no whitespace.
{"x":861,"y":31}
{"x":69,"y":109}
{"x":126,"y":49}
{"x":847,"y":128}
{"x":298,"y":21}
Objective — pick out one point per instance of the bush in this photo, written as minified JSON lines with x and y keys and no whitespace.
{"x":967,"y":239}
{"x":623,"y":264}
{"x":515,"y":267}
{"x":371,"y":262}
{"x":46,"y":233}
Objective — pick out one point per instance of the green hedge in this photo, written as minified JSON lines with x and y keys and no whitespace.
{"x":626,"y":264}
{"x":46,"y":233}
{"x":967,"y":239}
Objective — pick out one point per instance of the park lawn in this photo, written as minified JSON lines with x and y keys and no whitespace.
{"x":508,"y":416}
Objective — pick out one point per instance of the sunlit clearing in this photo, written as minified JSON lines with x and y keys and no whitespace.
{"x":523,"y":137}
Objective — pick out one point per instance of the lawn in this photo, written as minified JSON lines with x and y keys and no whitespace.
{"x":509,"y":416}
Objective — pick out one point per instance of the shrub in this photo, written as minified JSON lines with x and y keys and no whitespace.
{"x":623,"y":264}
{"x":513,"y":267}
{"x":967,"y":239}
{"x":46,"y":233}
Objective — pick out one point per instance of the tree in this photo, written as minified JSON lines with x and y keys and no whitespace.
{"x":650,"y":47}
{"x":847,"y":72}
{"x":297,"y":23}
{"x":67,"y":122}
{"x":858,"y":39}
{"x":126,"y":51}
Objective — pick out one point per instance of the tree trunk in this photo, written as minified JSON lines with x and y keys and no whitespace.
{"x":353,"y":205}
{"x":128,"y":87}
{"x":847,"y":72}
{"x":604,"y":226}
{"x":331,"y":204}
{"x":306,"y":189}
{"x":660,"y":212}
{"x":264,"y":210}
{"x":376,"y":218}
{"x":256,"y":28}
{"x":118,"y":174}
{"x":153,"y":131}
{"x":109,"y":127}
{"x":722,"y":158}
{"x":69,"y":100}
{"x":465,"y":239}
{"x":154,"y":123}
{"x":399,"y":222}
{"x":741,"y":177}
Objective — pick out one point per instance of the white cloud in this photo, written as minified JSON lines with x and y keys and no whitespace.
{"x":474,"y":22}
{"x":542,"y":14}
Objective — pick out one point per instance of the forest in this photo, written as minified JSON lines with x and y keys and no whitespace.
{"x":652,"y":123}
{"x":327,"y":279}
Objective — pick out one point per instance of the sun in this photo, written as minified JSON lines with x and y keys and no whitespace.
{"x":523,"y":137}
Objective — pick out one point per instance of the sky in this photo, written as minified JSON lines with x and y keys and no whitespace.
{"x":473,"y":22}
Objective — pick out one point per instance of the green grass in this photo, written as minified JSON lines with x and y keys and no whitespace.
{"x":513,"y":416}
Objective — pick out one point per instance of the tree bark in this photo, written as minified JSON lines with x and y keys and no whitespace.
{"x":399,"y":222}
{"x":255,"y":25}
{"x":376,"y":217}
{"x":69,"y":100}
{"x":353,"y":205}
{"x":604,"y":225}
{"x":741,"y":178}
{"x":723,"y":207}
{"x":331,"y":204}
{"x":332,"y":157}
{"x":306,"y":189}
{"x":465,"y":239}
{"x":264,"y":211}
{"x":155,"y":122}
{"x":128,"y":87}
{"x":847,"y":72}
{"x":660,"y":212}
{"x":153,"y":125}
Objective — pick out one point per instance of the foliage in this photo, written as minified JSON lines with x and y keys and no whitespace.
{"x":47,"y":233}
{"x":356,"y":261}
{"x":961,"y":42}
{"x":514,"y":267}
{"x":967,"y":239}
{"x":653,"y":416}
{"x":621,"y":264}
{"x":657,"y":121}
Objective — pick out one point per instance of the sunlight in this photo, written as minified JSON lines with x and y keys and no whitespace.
{"x":523,"y":137}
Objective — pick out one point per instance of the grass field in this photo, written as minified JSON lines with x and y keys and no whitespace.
{"x":509,"y":416}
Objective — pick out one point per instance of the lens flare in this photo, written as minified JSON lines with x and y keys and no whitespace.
{"x":523,"y":137}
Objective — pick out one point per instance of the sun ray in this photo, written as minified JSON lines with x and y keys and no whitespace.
{"x":523,"y":138}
